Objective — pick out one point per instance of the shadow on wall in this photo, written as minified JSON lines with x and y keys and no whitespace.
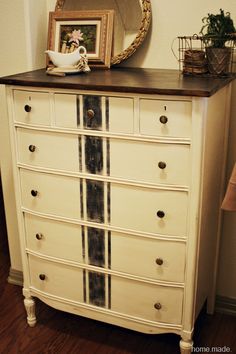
{"x":3,"y":232}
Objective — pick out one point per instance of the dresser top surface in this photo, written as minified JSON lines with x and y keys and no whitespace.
{"x":126,"y":80}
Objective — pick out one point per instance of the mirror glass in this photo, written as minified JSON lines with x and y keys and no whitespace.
{"x":131,"y":22}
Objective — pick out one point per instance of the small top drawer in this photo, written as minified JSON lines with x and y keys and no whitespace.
{"x":32,"y":107}
{"x":94,"y":112}
{"x":165,"y":118}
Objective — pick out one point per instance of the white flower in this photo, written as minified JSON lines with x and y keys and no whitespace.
{"x":76,"y":36}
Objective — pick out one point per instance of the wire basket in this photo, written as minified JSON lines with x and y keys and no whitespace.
{"x":198,"y":57}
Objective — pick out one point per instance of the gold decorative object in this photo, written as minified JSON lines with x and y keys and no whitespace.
{"x":146,"y":19}
{"x":140,"y":36}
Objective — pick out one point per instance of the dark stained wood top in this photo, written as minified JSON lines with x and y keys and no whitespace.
{"x":128,"y":80}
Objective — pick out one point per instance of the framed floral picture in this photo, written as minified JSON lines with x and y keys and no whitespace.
{"x":93,"y":30}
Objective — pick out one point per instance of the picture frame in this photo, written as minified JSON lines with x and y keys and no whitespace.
{"x":92,"y":29}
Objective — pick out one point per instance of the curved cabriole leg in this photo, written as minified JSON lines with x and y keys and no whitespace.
{"x":30,"y":309}
{"x":186,"y":346}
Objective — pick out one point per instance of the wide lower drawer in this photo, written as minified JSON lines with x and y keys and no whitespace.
{"x":147,"y":301}
{"x":150,"y":162}
{"x":149,"y":258}
{"x":54,"y":238}
{"x":128,"y":207}
{"x":51,"y":194}
{"x":42,"y":149}
{"x":130,"y":297}
{"x":141,"y":256}
{"x":56,"y":279}
{"x":149,"y":210}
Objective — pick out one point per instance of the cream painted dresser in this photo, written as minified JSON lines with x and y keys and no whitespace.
{"x":119,"y":177}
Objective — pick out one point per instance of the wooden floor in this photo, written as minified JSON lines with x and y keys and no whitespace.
{"x":61,"y":333}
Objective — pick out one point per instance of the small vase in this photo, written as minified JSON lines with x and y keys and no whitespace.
{"x":219,"y":60}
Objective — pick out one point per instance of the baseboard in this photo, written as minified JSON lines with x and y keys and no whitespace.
{"x":225,"y":305}
{"x":15,"y":277}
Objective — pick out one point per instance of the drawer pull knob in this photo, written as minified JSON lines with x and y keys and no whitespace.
{"x":162,"y":165}
{"x":90,"y":113}
{"x":34,"y":193}
{"x":42,"y":276}
{"x":163,"y":119}
{"x":39,"y":236}
{"x":160,"y":214}
{"x":32,"y":148}
{"x":27,"y":108}
{"x":157,"y":306}
{"x":159,"y":261}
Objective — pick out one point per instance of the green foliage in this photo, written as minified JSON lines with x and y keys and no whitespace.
{"x":217,"y":29}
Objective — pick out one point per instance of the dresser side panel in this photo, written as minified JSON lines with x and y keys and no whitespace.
{"x":214,"y":161}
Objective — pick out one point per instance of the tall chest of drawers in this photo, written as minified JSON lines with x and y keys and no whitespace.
{"x":118,"y":178}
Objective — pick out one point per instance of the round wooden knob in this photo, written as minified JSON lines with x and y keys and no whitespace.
{"x":39,"y":236}
{"x":34,"y":193}
{"x":162,"y":165}
{"x":163,"y":119}
{"x":42,"y":276}
{"x":27,"y":108}
{"x":32,"y":148}
{"x":159,"y":261}
{"x":90,"y":113}
{"x":157,"y":306}
{"x":160,"y":214}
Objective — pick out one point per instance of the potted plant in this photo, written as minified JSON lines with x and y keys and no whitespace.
{"x":219,"y":38}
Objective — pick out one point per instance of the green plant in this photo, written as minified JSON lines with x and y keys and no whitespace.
{"x":218,"y":29}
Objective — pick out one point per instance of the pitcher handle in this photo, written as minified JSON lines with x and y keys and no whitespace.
{"x":82,"y":50}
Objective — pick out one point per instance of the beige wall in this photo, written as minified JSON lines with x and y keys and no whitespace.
{"x":227,"y":260}
{"x":23,"y":28}
{"x":170,"y":19}
{"x":13,"y":58}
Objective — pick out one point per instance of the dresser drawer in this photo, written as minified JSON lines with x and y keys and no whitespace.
{"x":51,"y":194}
{"x":149,"y":210}
{"x":150,"y":162}
{"x":113,"y":114}
{"x":165,"y":118}
{"x":67,"y":110}
{"x":56,"y":279}
{"x":141,"y":299}
{"x":32,"y":107}
{"x":54,"y":238}
{"x":145,"y":257}
{"x":120,"y":115}
{"x":42,"y":149}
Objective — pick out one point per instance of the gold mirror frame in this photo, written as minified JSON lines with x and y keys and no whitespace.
{"x":145,"y":23}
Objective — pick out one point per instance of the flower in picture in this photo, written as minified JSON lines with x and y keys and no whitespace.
{"x":76,"y":36}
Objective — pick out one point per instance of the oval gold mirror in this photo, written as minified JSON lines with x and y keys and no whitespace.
{"x":131,"y":23}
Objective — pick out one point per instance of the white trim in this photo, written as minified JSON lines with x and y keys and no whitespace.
{"x":226,"y":305}
{"x":15,"y":277}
